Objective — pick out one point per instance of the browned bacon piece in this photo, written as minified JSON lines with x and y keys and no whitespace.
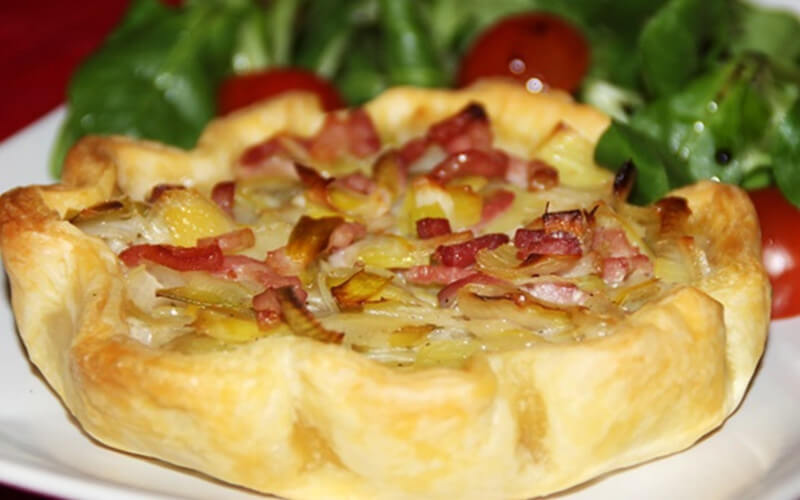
{"x":467,"y":129}
{"x":223,"y":194}
{"x":430,"y":227}
{"x":540,"y":242}
{"x":207,"y":258}
{"x":463,"y":254}
{"x":489,"y":164}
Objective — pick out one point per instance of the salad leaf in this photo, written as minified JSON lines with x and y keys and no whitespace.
{"x":409,"y":46}
{"x":674,"y":41}
{"x":771,"y":32}
{"x":362,"y":76}
{"x":622,"y":143}
{"x":785,"y":151}
{"x":151,"y":78}
{"x":719,"y":127}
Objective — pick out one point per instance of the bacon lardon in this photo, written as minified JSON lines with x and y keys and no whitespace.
{"x":495,"y":204}
{"x":463,"y":254}
{"x":431,"y":227}
{"x":467,"y":129}
{"x":489,"y":164}
{"x":208,"y":258}
{"x":224,"y":195}
{"x":541,"y":242}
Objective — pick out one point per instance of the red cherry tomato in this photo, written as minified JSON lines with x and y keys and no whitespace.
{"x":780,"y":238}
{"x":526,"y":47}
{"x":239,"y":91}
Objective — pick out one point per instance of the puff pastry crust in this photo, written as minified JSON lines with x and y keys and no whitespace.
{"x":302,"y":419}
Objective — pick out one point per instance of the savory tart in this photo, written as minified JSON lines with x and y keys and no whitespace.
{"x":437,"y":295}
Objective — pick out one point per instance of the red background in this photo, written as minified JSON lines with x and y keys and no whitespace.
{"x":41,"y":42}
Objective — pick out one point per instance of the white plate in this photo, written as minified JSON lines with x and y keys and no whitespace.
{"x":756,"y":454}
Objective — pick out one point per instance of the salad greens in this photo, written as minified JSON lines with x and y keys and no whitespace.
{"x":714,"y":100}
{"x":697,"y":88}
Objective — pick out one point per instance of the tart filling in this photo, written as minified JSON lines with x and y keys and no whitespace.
{"x":418,"y":253}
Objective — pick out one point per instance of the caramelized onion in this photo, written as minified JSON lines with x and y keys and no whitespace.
{"x":301,"y":321}
{"x":219,"y":295}
{"x":674,"y":213}
{"x":123,"y":208}
{"x":310,"y":237}
{"x":358,"y":289}
{"x":517,"y":307}
{"x":389,"y":173}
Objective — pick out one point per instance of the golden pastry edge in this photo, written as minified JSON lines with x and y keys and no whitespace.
{"x":301,"y":419}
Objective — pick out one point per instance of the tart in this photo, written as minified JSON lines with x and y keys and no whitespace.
{"x":438,"y":295}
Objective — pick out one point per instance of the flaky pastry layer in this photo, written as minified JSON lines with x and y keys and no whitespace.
{"x":302,"y":419}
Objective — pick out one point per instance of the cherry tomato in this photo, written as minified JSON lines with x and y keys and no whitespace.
{"x":780,"y":238}
{"x":239,"y":91}
{"x":529,"y":47}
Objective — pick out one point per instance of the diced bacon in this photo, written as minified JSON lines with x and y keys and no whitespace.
{"x":223,"y":195}
{"x":160,"y":189}
{"x":430,"y":227}
{"x":541,"y":176}
{"x":345,"y":234}
{"x":538,"y":241}
{"x":357,"y":182}
{"x":517,"y":172}
{"x":447,"y":295}
{"x":531,"y":175}
{"x":612,"y":242}
{"x":471,"y":162}
{"x":274,"y":157}
{"x":246,"y":269}
{"x":412,"y":151}
{"x":330,"y":143}
{"x":435,"y":275}
{"x":263,"y":151}
{"x":467,"y":129}
{"x":616,"y":269}
{"x":495,"y":204}
{"x":363,"y":139}
{"x":268,"y":308}
{"x":576,"y":222}
{"x":345,"y":133}
{"x":234,"y":241}
{"x":266,"y":301}
{"x":565,"y":294}
{"x":280,"y":261}
{"x":208,"y":258}
{"x":463,"y":254}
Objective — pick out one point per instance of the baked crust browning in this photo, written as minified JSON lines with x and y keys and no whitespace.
{"x":298,"y":418}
